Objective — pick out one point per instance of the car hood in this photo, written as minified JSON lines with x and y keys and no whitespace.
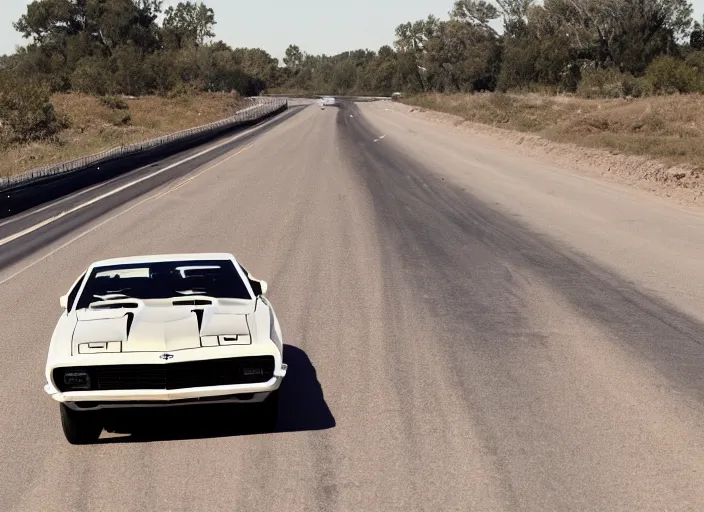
{"x":160,"y":329}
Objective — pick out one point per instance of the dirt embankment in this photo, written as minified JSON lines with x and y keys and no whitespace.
{"x":95,"y":124}
{"x":654,"y":144}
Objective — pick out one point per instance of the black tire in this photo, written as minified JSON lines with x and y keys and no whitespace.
{"x":80,"y":427}
{"x":269,"y":412}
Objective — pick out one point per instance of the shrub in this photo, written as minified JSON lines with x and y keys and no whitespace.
{"x":121,"y":119}
{"x":669,"y":75}
{"x":114,"y":102}
{"x":186,"y":89}
{"x":636,"y":87}
{"x":611,"y":83}
{"x":696,"y":61}
{"x":26,"y":109}
{"x":93,"y":76}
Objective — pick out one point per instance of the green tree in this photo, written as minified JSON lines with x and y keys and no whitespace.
{"x":102,"y":24}
{"x":131,"y":76}
{"x":189,"y":23}
{"x":294,"y":58}
{"x":627,"y":34}
{"x":257,"y":63}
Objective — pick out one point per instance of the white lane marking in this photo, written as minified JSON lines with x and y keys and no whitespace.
{"x":62,"y":200}
{"x":81,"y":192}
{"x":150,"y":198}
{"x":64,"y":213}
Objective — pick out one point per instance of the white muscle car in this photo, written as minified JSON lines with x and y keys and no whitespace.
{"x":163,"y":330}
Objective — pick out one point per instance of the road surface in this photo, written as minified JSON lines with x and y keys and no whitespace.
{"x":466,"y":330}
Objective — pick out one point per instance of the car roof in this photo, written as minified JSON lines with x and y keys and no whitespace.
{"x":160,"y":258}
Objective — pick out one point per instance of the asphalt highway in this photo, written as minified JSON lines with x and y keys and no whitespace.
{"x":465,"y":328}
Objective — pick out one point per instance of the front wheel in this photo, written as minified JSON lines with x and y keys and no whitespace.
{"x":80,"y":427}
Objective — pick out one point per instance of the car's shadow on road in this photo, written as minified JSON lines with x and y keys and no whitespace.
{"x":302,"y":407}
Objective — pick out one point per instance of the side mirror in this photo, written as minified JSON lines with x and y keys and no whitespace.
{"x":263,"y":286}
{"x":63,"y":301}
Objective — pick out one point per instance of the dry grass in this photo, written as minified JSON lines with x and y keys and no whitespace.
{"x":95,"y":127}
{"x":668,"y":128}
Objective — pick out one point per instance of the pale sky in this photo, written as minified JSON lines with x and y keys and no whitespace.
{"x":316,"y":26}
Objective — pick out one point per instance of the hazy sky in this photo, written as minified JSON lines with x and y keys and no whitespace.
{"x":316,"y":26}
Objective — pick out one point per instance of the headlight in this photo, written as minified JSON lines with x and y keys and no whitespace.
{"x":77,"y":380}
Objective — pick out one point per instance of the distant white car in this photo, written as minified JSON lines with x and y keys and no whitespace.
{"x":164,"y":330}
{"x":327,"y":100}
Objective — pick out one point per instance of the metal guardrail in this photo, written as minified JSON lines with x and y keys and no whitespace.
{"x":261,"y":107}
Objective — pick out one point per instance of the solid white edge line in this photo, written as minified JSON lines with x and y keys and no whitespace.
{"x":64,"y":213}
{"x":29,"y":213}
{"x":74,"y":195}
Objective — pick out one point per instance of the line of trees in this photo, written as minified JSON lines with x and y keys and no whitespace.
{"x":594,"y":47}
{"x":118,"y":46}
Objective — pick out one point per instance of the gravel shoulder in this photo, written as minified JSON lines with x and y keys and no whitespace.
{"x":676,"y":177}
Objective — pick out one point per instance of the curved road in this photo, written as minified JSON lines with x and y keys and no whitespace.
{"x":466,"y":329}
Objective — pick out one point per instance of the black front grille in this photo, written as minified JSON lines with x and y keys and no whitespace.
{"x":192,"y":374}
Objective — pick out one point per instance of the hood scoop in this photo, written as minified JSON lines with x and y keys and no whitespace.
{"x":130,"y":319}
{"x":199,"y":317}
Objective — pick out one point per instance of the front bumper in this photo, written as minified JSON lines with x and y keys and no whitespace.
{"x":243,"y":393}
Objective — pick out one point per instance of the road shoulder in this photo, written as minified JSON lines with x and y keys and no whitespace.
{"x":673,"y":184}
{"x":650,"y":242}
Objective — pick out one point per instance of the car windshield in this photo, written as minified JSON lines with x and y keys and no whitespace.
{"x":163,"y":280}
